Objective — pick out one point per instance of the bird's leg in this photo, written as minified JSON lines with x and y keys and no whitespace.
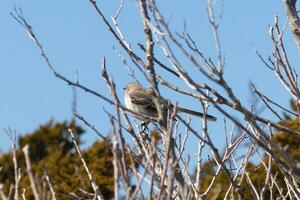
{"x":144,"y":126}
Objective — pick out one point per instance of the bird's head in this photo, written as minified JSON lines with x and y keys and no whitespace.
{"x":131,"y":85}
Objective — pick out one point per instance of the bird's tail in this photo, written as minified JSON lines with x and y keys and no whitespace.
{"x":195,"y":113}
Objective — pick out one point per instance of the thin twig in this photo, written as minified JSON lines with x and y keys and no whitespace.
{"x":95,"y":187}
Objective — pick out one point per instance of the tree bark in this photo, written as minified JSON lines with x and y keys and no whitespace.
{"x":294,"y":21}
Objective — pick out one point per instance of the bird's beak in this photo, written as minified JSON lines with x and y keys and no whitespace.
{"x":124,"y":88}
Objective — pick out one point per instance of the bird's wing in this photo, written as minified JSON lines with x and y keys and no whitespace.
{"x":142,"y":98}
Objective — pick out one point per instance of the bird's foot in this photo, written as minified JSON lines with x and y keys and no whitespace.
{"x":144,"y":127}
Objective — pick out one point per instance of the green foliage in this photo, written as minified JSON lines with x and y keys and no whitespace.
{"x":52,"y":151}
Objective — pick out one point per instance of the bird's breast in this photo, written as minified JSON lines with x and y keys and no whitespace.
{"x":128,"y":102}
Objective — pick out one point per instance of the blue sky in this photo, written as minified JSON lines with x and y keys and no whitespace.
{"x":76,"y":40}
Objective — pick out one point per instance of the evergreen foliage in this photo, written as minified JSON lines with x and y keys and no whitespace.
{"x":52,"y":151}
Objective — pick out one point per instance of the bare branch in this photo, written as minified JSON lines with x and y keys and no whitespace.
{"x":30,"y":173}
{"x":294,"y":21}
{"x":95,"y":187}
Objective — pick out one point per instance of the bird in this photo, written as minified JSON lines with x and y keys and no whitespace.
{"x":141,"y":101}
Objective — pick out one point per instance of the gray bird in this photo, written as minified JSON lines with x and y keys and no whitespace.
{"x":141,"y":101}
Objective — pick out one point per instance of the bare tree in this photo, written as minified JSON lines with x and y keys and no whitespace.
{"x":164,"y":168}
